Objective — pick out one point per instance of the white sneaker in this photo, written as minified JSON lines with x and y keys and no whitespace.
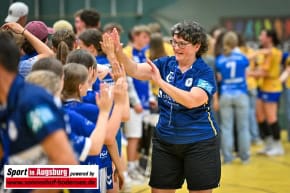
{"x":268,"y":146}
{"x":136,"y":176}
{"x":276,"y":150}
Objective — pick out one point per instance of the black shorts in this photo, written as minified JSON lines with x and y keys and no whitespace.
{"x":199,"y":163}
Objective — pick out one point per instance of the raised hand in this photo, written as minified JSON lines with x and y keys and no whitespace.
{"x":155,"y":73}
{"x":118,"y":71}
{"x":104,"y":99}
{"x":116,"y":39}
{"x":93,"y":75}
{"x":108,"y":44}
{"x":15,"y":27}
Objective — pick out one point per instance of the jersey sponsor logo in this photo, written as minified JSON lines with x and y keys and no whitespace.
{"x":12,"y":131}
{"x":104,"y":154}
{"x":188,"y":82}
{"x":205,"y":85}
{"x":170,"y":77}
{"x":39,"y":117}
{"x":234,"y":80}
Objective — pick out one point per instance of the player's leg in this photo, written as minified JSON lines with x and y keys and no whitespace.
{"x":155,"y":190}
{"x":241,"y":114}
{"x":133,"y":132}
{"x":227,"y":120}
{"x":167,"y":173}
{"x":254,"y":132}
{"x":202,"y":165}
{"x":271,"y":109}
{"x":201,"y":191}
{"x":261,"y":117}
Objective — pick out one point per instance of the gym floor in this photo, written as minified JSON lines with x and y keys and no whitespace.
{"x":261,"y":175}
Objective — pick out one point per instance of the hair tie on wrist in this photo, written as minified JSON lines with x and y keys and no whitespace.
{"x":23,"y":31}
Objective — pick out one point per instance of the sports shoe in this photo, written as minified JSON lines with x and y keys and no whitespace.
{"x":136,"y":176}
{"x":276,"y":150}
{"x":268,"y":146}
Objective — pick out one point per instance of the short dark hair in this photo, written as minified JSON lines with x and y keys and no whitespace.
{"x":28,"y":48}
{"x":110,"y":26}
{"x":49,"y":64}
{"x":83,"y":57}
{"x":273,"y":35}
{"x":92,"y":37}
{"x":90,"y":17}
{"x":192,"y":32}
{"x":9,"y":52}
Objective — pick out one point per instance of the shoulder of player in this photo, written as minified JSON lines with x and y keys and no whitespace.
{"x":201,"y":66}
{"x":165,"y":60}
{"x":32,"y":95}
{"x":88,"y":107}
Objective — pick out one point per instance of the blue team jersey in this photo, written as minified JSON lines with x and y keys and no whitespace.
{"x":233,"y":71}
{"x":31,"y":116}
{"x":178,"y":124}
{"x":142,"y":87}
{"x":81,"y":129}
{"x":90,"y":112}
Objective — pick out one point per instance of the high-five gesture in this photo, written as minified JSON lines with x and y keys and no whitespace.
{"x":155,"y":73}
{"x":108,"y":45}
{"x":104,"y":100}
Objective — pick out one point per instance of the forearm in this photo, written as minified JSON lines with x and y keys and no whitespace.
{"x":186,"y":98}
{"x":126,"y":109}
{"x":129,"y":65}
{"x":140,"y":71}
{"x":284,"y":76}
{"x":114,"y":153}
{"x":98,"y":135}
{"x":114,"y":124}
{"x":41,"y":48}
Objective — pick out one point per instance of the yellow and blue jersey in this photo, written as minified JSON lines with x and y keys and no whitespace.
{"x":233,"y":71}
{"x":271,"y":64}
{"x":178,"y":124}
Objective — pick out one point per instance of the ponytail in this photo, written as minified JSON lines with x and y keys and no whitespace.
{"x":62,"y":52}
{"x":63,"y":42}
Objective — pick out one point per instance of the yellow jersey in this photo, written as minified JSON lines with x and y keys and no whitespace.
{"x":270,"y":63}
{"x":251,"y":81}
{"x":288,"y":66}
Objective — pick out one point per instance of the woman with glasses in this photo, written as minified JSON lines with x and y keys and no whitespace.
{"x":185,"y":143}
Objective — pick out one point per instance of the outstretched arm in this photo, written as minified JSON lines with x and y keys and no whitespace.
{"x":112,"y":47}
{"x":98,"y":136}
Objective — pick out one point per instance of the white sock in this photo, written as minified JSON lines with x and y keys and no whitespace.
{"x":136,"y":163}
{"x":131,"y":165}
